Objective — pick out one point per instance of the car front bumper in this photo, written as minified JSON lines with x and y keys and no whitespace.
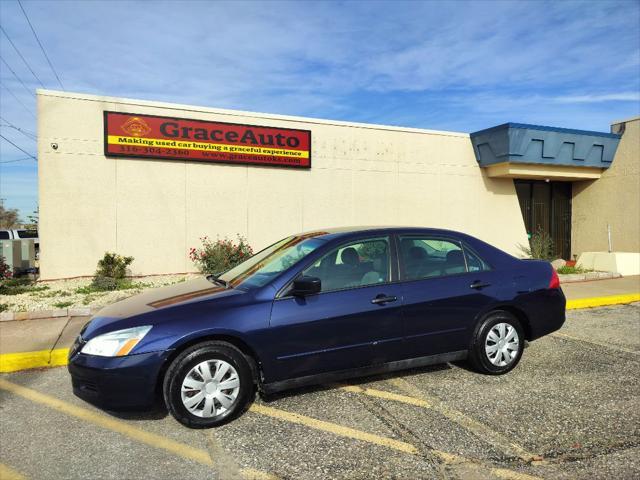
{"x":115,"y":383}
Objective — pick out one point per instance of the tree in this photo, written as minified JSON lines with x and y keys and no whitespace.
{"x":32,"y":220}
{"x":9,"y":217}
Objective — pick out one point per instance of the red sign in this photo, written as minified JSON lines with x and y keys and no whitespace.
{"x":150,"y":136}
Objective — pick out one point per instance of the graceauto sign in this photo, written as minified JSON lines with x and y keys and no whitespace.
{"x":150,"y":136}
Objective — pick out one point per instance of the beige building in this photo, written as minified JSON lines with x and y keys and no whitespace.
{"x":148,"y":202}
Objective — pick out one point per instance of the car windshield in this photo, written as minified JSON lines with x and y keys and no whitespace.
{"x":267,"y":264}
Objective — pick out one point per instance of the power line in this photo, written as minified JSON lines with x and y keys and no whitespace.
{"x":41,"y":47}
{"x":17,"y":99}
{"x":17,"y":160}
{"x":22,"y":57}
{"x":19,"y":148}
{"x":17,"y":77}
{"x":21,"y":130}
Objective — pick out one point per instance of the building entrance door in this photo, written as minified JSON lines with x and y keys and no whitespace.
{"x":547,"y":206}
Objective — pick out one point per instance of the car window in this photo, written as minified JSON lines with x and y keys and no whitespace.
{"x":424,"y":257}
{"x":357,"y":264}
{"x":4,"y":235}
{"x":270,"y":262}
{"x":27,"y":233}
{"x":474,"y":262}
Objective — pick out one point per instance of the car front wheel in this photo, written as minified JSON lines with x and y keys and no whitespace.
{"x":208,"y":384}
{"x":497,"y":344}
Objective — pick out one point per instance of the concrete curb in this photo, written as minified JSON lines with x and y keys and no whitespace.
{"x":14,"y":362}
{"x":64,"y":312}
{"x":602,"y":301}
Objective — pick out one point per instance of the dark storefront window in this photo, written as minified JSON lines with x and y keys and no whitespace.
{"x":547,"y":205}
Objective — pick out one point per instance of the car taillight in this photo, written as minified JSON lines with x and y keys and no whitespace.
{"x":555,"y":280}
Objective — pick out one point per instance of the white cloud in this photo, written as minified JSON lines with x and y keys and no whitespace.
{"x":597,"y":98}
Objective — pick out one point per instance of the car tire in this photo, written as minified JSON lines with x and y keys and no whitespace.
{"x":193,"y":393}
{"x":497,"y":343}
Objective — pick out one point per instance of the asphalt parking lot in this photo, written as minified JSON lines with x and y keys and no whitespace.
{"x":571,"y":409}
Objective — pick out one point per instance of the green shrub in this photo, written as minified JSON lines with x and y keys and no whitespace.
{"x":112,"y":269}
{"x":540,"y":246}
{"x":113,"y":265}
{"x":569,"y":270}
{"x":100,"y":284}
{"x":4,"y":307}
{"x":219,"y":256}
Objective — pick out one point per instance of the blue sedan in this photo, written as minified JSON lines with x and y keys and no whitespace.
{"x":316,"y":307}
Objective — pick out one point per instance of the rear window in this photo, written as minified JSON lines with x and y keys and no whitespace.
{"x":27,"y":234}
{"x":4,"y":235}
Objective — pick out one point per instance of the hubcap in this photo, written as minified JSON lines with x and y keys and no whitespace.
{"x":502,"y":344}
{"x":210,"y":388}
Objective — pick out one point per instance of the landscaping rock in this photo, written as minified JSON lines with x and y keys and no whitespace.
{"x":558,"y":263}
{"x":77,"y":296}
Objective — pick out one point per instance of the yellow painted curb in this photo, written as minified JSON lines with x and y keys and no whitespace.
{"x":12,"y":362}
{"x":602,"y":301}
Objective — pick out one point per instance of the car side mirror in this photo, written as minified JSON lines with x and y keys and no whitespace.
{"x":306,"y":286}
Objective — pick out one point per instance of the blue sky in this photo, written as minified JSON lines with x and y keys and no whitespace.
{"x":454,"y":65}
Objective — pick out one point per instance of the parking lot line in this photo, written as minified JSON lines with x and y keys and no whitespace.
{"x":595,"y":342}
{"x":8,"y":473}
{"x":481,"y":430}
{"x":333,"y":428}
{"x":372,"y":392}
{"x":148,"y":438}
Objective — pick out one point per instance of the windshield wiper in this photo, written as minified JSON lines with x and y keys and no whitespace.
{"x":219,"y":281}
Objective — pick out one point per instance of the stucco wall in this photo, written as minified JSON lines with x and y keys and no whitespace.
{"x":155,"y":210}
{"x":613,"y":199}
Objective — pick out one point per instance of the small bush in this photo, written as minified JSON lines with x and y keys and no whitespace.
{"x":112,"y":269}
{"x":540,"y":246}
{"x":113,"y":265}
{"x":569,"y":270}
{"x":5,"y":270}
{"x":219,"y":256}
{"x":101,"y":284}
{"x":4,"y":307}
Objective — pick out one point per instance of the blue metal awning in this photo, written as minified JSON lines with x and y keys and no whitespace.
{"x":525,"y":146}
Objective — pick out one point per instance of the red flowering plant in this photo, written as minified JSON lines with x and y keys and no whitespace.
{"x":5,"y":270}
{"x":219,"y":256}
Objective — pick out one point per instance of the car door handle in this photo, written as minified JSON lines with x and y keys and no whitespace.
{"x":478,"y":284}
{"x":382,"y":299}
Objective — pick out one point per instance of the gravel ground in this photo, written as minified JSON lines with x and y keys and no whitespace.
{"x":573,"y":402}
{"x":52,"y":295}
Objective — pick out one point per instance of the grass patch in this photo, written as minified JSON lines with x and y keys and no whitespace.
{"x":16,"y":286}
{"x":570,"y":270}
{"x":55,"y":293}
{"x":62,"y":304}
{"x":121,"y":284}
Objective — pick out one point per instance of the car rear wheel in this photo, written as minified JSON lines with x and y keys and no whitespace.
{"x":208,"y":384}
{"x":497,"y":344}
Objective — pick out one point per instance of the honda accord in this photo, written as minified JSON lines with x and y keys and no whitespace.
{"x":316,"y":307}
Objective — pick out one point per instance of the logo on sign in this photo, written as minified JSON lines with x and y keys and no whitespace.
{"x":136,"y":127}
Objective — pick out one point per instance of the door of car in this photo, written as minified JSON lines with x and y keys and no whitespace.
{"x":444,"y":286}
{"x":351,"y":323}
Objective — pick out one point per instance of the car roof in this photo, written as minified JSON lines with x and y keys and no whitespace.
{"x":352,"y":231}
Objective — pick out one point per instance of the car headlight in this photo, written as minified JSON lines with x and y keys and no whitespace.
{"x":115,"y":344}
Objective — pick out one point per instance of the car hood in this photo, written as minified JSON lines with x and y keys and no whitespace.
{"x":162,"y":297}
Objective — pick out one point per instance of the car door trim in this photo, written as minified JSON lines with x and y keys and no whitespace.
{"x":329,"y":377}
